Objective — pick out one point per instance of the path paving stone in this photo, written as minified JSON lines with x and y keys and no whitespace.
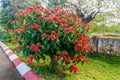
{"x":7,"y":70}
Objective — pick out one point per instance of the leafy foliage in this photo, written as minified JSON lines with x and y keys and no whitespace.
{"x":10,"y":7}
{"x":58,"y":33}
{"x":2,"y":34}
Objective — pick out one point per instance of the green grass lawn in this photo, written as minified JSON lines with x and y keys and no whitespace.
{"x":100,"y":67}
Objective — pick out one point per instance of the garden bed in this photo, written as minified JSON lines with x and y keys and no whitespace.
{"x":99,"y":67}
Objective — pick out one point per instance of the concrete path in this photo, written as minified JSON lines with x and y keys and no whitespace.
{"x":7,"y":70}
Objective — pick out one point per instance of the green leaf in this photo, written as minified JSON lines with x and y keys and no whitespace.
{"x":69,"y":38}
{"x":19,"y":36}
{"x":43,"y":57}
{"x":58,"y":52}
{"x":25,"y":52}
{"x":54,"y":44}
{"x":48,"y":46}
{"x":82,"y":62}
{"x":24,"y":21}
{"x":33,"y":34}
{"x":62,"y":61}
{"x":45,"y":41}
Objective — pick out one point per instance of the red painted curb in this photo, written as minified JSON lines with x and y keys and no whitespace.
{"x":26,"y":72}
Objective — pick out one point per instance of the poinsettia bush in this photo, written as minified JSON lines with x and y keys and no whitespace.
{"x":58,"y":33}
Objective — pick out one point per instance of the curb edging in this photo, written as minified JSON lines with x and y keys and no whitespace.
{"x":25,"y":71}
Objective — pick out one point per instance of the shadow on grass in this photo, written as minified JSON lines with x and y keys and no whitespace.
{"x":111,"y":59}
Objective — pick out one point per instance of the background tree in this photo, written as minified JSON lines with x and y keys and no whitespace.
{"x":10,"y":7}
{"x":85,"y":9}
{"x":88,"y":9}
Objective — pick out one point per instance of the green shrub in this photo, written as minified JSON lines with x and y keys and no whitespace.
{"x":58,"y":33}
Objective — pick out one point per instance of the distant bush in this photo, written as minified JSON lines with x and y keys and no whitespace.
{"x":101,"y":29}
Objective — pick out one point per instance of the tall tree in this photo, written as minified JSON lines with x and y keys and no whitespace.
{"x":85,"y":9}
{"x":88,"y":9}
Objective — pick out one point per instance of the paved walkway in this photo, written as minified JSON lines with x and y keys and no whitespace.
{"x":7,"y":70}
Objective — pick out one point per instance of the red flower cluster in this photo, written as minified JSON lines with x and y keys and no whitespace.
{"x":48,"y":19}
{"x":10,"y":30}
{"x":56,"y":73}
{"x":83,"y":58}
{"x":77,"y":45}
{"x":82,"y":36}
{"x":82,"y":43}
{"x":89,"y":49}
{"x":36,"y":47}
{"x":86,"y":26}
{"x":38,"y":8}
{"x":28,"y":10}
{"x":55,"y":17}
{"x":41,"y":18}
{"x":75,"y":42}
{"x":15,"y":42}
{"x":73,"y":28}
{"x":64,"y":55}
{"x":76,"y":48}
{"x":35,"y":26}
{"x":17,"y":15}
{"x":52,"y":37}
{"x":46,"y":11}
{"x":43,"y":35}
{"x":57,"y":8}
{"x":74,"y":68}
{"x":66,"y":58}
{"x":20,"y":30}
{"x":30,"y":58}
{"x":13,"y":21}
{"x":18,"y":47}
{"x":54,"y":33}
{"x":80,"y":22}
{"x":55,"y":58}
{"x":86,"y":60}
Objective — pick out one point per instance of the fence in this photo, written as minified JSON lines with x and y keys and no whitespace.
{"x":105,"y":45}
